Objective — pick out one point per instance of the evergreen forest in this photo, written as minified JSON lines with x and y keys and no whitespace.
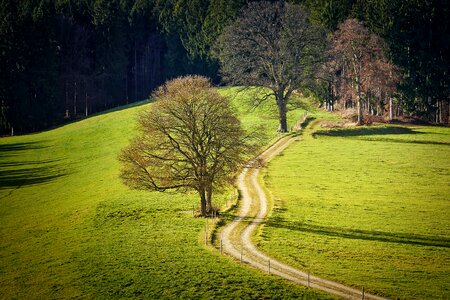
{"x":63,"y":60}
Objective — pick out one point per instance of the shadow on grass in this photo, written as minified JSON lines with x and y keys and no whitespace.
{"x":420,"y":142}
{"x":16,"y":173}
{"x":357,"y":234}
{"x":307,"y":121}
{"x":11,"y":149}
{"x":30,"y":175}
{"x":367,"y":131}
{"x":26,"y":163}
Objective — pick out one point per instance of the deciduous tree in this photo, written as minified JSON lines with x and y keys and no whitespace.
{"x":365,"y":68}
{"x":190,"y":139}
{"x":271,"y":45}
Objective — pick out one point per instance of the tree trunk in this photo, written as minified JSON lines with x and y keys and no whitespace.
{"x":67,"y":100}
{"x":391,"y":109}
{"x":136,"y":97}
{"x":75,"y":99}
{"x":209,"y":191}
{"x":332,"y":97}
{"x":86,"y":104}
{"x":282,"y":109}
{"x":445,"y":112}
{"x":202,"y":202}
{"x":360,"y":105}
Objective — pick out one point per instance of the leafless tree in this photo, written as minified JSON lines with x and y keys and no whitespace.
{"x":271,"y":45}
{"x":329,"y":74}
{"x":190,"y":139}
{"x":382,"y":80}
{"x":364,"y":67}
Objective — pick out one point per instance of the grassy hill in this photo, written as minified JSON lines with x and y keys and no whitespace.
{"x":366,"y":206}
{"x":70,"y":228}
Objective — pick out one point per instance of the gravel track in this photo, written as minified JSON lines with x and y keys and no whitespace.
{"x":236,"y":236}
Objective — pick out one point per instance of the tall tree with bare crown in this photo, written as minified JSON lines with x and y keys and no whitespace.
{"x":271,"y":45}
{"x":364,"y":66}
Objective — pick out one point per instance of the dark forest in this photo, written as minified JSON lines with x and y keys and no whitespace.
{"x":67,"y":59}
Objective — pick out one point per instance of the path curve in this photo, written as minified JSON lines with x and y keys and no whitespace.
{"x":236,"y":236}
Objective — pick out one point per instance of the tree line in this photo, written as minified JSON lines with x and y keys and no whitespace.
{"x":64,"y":59}
{"x":411,"y":37}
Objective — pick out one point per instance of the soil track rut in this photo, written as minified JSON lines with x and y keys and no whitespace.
{"x":236,"y":236}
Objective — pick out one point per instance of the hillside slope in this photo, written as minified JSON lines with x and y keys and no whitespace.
{"x":70,"y":228}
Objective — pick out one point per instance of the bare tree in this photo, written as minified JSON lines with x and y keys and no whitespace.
{"x":364,"y":67}
{"x":190,"y":139}
{"x":271,"y":45}
{"x":382,"y":80}
{"x":329,"y":73}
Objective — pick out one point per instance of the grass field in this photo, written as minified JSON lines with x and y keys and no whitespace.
{"x":70,"y":228}
{"x":369,"y":207}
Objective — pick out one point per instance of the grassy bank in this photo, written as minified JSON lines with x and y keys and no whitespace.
{"x":368,"y":207}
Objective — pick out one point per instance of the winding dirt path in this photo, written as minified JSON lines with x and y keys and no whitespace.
{"x":236,"y":236}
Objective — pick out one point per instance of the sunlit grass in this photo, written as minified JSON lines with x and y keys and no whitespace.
{"x":70,"y":228}
{"x":367,"y":206}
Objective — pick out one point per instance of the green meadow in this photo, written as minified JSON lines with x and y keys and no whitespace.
{"x":365,"y":206}
{"x":368,"y":206}
{"x":70,"y":228}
